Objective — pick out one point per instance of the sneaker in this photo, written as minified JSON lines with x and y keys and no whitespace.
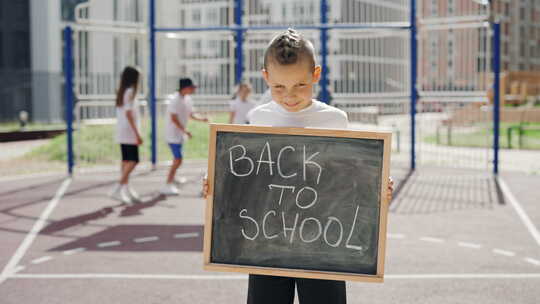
{"x":133,"y":195}
{"x":115,"y":191}
{"x":169,"y":189}
{"x":120,"y":193}
{"x":179,"y":181}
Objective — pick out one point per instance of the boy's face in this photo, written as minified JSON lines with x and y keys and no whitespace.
{"x":292,"y":85}
{"x":188,"y":90}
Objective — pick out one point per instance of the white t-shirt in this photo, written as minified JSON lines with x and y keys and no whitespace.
{"x":317,"y":115}
{"x":182,"y":106}
{"x":124,"y":132}
{"x":241,"y":109}
{"x":266,"y":97}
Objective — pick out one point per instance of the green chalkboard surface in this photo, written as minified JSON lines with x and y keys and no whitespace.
{"x":297,"y":202}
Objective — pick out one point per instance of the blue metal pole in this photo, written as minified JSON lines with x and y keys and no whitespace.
{"x":324,"y":95}
{"x":414,"y":77}
{"x":68,"y":94}
{"x":496,"y":93}
{"x":239,"y":39}
{"x":152,"y":80}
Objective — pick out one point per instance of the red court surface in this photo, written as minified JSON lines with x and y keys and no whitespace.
{"x":452,"y":238}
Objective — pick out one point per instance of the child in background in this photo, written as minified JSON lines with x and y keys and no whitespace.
{"x":290,"y":72}
{"x":179,"y":111}
{"x":127,"y":133}
{"x":241,"y":104}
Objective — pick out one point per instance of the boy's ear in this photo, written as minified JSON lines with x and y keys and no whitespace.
{"x":265,"y":75}
{"x":317,"y":73}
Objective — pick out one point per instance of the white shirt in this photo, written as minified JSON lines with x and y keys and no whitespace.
{"x":317,"y":115}
{"x":124,"y":132}
{"x":241,"y":109}
{"x":182,"y":107}
{"x":266,"y":97}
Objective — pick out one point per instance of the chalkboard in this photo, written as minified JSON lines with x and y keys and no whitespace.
{"x":297,"y":202}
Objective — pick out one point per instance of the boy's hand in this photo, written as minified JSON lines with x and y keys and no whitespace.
{"x":390,"y":190}
{"x":189,"y":134}
{"x":204,"y":192}
{"x":139,"y":140}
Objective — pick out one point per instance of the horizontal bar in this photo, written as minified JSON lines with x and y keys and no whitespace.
{"x":447,"y":26}
{"x":371,"y":26}
{"x":453,"y":19}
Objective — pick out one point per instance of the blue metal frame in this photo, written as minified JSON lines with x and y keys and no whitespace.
{"x":152,"y":80}
{"x":68,"y":94}
{"x":324,"y":96}
{"x":496,"y":93}
{"x":239,"y":30}
{"x":239,"y":39}
{"x":413,"y":80}
{"x":398,"y":25}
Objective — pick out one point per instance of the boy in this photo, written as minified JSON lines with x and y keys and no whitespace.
{"x":179,"y":111}
{"x":290,"y":72}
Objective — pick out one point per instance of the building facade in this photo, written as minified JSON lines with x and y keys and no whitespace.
{"x":360,"y":61}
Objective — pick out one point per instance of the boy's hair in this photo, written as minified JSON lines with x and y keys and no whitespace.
{"x":289,"y":47}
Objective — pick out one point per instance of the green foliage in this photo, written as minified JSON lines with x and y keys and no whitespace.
{"x":96,"y":144}
{"x":482,"y":136}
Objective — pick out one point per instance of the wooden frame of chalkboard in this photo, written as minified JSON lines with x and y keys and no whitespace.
{"x":215,"y":229}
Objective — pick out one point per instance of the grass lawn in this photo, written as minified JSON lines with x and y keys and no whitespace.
{"x":482,"y":137}
{"x":96,"y":145}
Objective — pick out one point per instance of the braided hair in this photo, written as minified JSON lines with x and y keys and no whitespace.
{"x":288,"y":48}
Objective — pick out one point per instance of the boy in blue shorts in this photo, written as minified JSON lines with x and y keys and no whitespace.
{"x":179,"y":111}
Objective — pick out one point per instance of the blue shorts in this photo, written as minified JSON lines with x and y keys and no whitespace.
{"x":176,"y":150}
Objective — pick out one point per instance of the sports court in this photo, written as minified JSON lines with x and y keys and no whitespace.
{"x":452,"y":239}
{"x":464,"y":223}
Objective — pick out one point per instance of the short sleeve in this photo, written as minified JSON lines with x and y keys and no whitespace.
{"x":232,"y":105}
{"x":128,"y":99}
{"x":171,"y":106}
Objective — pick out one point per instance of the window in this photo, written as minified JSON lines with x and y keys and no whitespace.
{"x":196,"y":16}
{"x":21,"y":50}
{"x":1,"y":51}
{"x":182,"y":18}
{"x":212,"y":16}
{"x":68,"y":9}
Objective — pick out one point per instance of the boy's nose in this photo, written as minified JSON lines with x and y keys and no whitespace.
{"x":290,"y":95}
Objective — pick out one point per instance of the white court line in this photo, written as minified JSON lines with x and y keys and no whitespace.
{"x":186,"y":235}
{"x":395,"y":236}
{"x":519,"y":210}
{"x":244,"y":277}
{"x":469,"y":245}
{"x":73,"y":251}
{"x":39,"y":224}
{"x":431,"y":239}
{"x":18,"y":268}
{"x":109,"y":244}
{"x":532,"y":261}
{"x":41,"y":260}
{"x":503,"y":252}
{"x":146,"y":239}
